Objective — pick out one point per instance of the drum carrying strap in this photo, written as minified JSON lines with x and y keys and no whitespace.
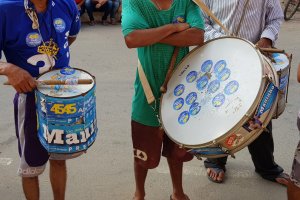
{"x":146,"y":86}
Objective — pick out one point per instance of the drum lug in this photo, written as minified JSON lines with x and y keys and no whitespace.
{"x":232,"y":155}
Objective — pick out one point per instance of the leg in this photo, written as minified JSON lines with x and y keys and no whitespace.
{"x":293,"y":191}
{"x":114,"y":9}
{"x":107,"y":8}
{"x":31,"y":188}
{"x":140,"y":177}
{"x":89,"y":6}
{"x":216,"y":168}
{"x":176,"y":176}
{"x":58,"y":178}
{"x":261,"y":151}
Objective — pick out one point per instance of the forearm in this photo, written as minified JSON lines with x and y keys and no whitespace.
{"x":146,"y":37}
{"x":5,"y":67}
{"x":189,"y":37}
{"x":71,"y":40}
{"x":298,"y":74}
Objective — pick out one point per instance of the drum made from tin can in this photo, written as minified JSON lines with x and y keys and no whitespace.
{"x":220,"y":98}
{"x":66,"y":114}
{"x":281,"y":62}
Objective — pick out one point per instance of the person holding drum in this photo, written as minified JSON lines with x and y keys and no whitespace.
{"x":259,"y":22}
{"x":155,"y":28}
{"x":293,"y":190}
{"x":35,"y":36}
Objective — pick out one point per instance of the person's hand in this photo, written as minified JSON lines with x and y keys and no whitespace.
{"x":181,"y":26}
{"x":78,"y":7}
{"x":264,"y":43}
{"x":20,"y":79}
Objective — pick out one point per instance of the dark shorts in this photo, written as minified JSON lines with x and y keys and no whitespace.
{"x":33,"y":156}
{"x":149,"y":143}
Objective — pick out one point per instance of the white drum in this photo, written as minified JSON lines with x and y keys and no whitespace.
{"x":219,"y":98}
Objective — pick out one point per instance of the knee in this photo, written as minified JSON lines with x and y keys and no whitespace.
{"x":58,"y":163}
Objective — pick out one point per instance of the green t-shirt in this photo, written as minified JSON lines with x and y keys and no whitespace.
{"x":155,"y":59}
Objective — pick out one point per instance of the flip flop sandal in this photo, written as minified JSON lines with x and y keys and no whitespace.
{"x":217,"y":171}
{"x":282,"y":176}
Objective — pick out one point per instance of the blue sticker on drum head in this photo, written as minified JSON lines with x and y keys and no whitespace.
{"x":202,"y":82}
{"x":191,"y":77}
{"x":177,"y":105}
{"x":191,"y":98}
{"x":179,"y":89}
{"x":213,"y":86}
{"x":275,"y":55}
{"x":231,"y":87}
{"x":219,"y":66}
{"x":278,"y":61}
{"x":184,"y":117}
{"x":67,"y":71}
{"x":218,"y":100}
{"x":206,"y":66}
{"x":195,"y":108}
{"x":224,"y":74}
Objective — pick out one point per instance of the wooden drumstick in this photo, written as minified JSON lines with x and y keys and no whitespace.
{"x":210,"y":14}
{"x":62,"y":82}
{"x":271,"y":50}
{"x":163,"y":88}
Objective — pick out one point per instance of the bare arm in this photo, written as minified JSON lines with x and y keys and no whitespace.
{"x":146,"y":37}
{"x":20,"y":79}
{"x":71,"y":40}
{"x":189,"y":37}
{"x":298,"y":74}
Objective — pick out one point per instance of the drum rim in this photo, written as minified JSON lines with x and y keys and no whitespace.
{"x":243,"y":120}
{"x":83,"y":94}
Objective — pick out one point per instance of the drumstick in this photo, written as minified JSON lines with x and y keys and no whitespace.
{"x":62,"y":82}
{"x":163,"y":88}
{"x":271,"y":50}
{"x":210,"y":14}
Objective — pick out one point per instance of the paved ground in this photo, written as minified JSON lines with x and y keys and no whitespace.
{"x":105,"y":172}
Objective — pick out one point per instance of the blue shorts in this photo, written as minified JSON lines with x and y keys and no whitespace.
{"x":32,"y":154}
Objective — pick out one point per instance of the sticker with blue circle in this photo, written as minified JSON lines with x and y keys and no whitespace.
{"x":213,"y":86}
{"x":219,"y":66}
{"x":184,"y":117}
{"x":59,"y":25}
{"x":177,"y":105}
{"x":231,"y":87}
{"x":279,"y":61}
{"x":218,"y":100}
{"x":195,"y":109}
{"x":275,"y":55}
{"x":67,"y":71}
{"x":179,"y":89}
{"x":33,"y":39}
{"x":206,"y":66}
{"x":191,"y":98}
{"x":224,"y":74}
{"x":202,"y":82}
{"x":191,"y":77}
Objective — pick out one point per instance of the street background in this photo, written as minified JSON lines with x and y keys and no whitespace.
{"x":106,"y":171}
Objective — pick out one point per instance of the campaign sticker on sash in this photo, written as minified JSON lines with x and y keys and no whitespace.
{"x":33,"y":39}
{"x":59,"y":25}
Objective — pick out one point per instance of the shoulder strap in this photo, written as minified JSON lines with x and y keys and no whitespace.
{"x":146,"y":86}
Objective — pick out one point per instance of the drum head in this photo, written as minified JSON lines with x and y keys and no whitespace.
{"x":211,"y":90}
{"x":65,"y":91}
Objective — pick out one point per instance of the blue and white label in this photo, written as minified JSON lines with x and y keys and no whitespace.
{"x":191,"y":98}
{"x":219,"y":66}
{"x":59,"y":25}
{"x":67,"y":71}
{"x":179,"y":89}
{"x":267,"y":100}
{"x":177,"y":105}
{"x":213,"y":86}
{"x":231,"y":87}
{"x":191,"y":77}
{"x":218,"y":100}
{"x":206,"y":66}
{"x":183,"y":117}
{"x":195,"y":109}
{"x":224,"y":74}
{"x":33,"y":39}
{"x":283,"y":82}
{"x":202,"y":82}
